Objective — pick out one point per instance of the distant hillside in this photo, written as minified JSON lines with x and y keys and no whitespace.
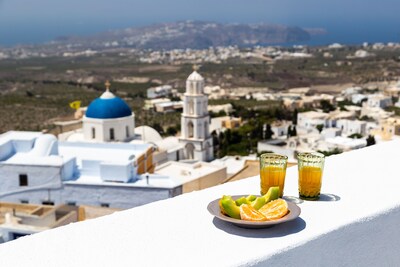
{"x":194,"y":34}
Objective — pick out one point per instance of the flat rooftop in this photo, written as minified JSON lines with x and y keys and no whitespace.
{"x":106,"y":152}
{"x":185,"y":172}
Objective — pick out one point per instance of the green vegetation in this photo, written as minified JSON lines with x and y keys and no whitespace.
{"x":36,"y":91}
{"x":394,"y":109}
{"x":331,"y":152}
{"x":355,"y":136}
{"x":371,"y":140}
{"x":320,"y":127}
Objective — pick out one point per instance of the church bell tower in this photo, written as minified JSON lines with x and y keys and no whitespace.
{"x":195,"y":120}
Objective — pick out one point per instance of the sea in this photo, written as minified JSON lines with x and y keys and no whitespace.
{"x":337,"y":32}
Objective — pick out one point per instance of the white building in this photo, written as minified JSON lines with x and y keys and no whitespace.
{"x":280,"y":129}
{"x":36,"y":168}
{"x":159,"y":91}
{"x":149,"y":104}
{"x":379,"y":101}
{"x":221,"y":124}
{"x":350,"y":127}
{"x":375,"y":113}
{"x":107,"y":119}
{"x":345,"y":143}
{"x":348,"y":92}
{"x":227,"y":108}
{"x":171,"y":106}
{"x":358,"y":98}
{"x":195,"y":121}
{"x":331,"y":132}
{"x":311,"y":119}
{"x":393,"y":89}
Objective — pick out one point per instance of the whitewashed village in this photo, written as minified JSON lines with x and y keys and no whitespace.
{"x":103,"y":159}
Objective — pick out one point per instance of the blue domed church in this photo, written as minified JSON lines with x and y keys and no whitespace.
{"x":108,"y":118}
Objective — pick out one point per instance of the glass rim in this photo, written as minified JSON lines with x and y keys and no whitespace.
{"x":273,"y":155}
{"x":311,"y":156}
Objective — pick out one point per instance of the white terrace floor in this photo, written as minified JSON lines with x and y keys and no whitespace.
{"x":356,"y":223}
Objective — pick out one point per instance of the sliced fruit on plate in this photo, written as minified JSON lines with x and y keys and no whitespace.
{"x":275,"y":209}
{"x":272,"y":194}
{"x":251,"y":198}
{"x":248,"y":213}
{"x":228,"y":206}
{"x":258,"y":203}
{"x":241,"y":201}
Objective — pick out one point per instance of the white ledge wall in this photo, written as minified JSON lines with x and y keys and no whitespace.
{"x":360,"y":229}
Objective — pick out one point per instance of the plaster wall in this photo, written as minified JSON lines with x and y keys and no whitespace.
{"x":206,"y":181}
{"x":114,"y":196}
{"x":39,"y":178}
{"x":103,"y":126}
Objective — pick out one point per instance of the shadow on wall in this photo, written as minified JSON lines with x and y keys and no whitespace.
{"x":322,"y":197}
{"x":279,"y":230}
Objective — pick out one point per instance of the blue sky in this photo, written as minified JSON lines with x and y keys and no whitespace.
{"x":41,"y":20}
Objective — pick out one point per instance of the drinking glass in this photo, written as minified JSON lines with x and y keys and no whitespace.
{"x":272,"y":172}
{"x":311,"y":167}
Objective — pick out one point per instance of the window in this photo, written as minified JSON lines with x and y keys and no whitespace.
{"x":24,"y":201}
{"x":23,"y":180}
{"x":190,"y":129}
{"x":71,"y":203}
{"x":48,"y":202}
{"x":105,"y":205}
{"x":191,"y":106}
{"x":112,"y":136}
{"x":93,"y":133}
{"x":189,"y":151}
{"x":127,"y":131}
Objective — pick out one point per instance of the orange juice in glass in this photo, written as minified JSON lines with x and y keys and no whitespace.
{"x":272,"y":172}
{"x":311,"y":167}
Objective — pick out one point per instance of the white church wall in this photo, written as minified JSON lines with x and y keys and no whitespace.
{"x":88,"y":125}
{"x":102,"y":128}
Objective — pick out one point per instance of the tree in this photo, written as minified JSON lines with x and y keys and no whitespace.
{"x":326,"y":106}
{"x":216,"y":141}
{"x":371,"y":140}
{"x":222,"y":113}
{"x":355,"y":136}
{"x":268,"y":132}
{"x":171,"y":131}
{"x":331,"y":152}
{"x":294,"y":131}
{"x":289,"y":131}
{"x":158,"y":128}
{"x":320,"y":127}
{"x":294,"y":119}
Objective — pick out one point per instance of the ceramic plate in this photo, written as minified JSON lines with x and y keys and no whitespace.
{"x":294,"y":212}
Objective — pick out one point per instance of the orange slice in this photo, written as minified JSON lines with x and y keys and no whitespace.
{"x":248,"y":213}
{"x":275,"y":209}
